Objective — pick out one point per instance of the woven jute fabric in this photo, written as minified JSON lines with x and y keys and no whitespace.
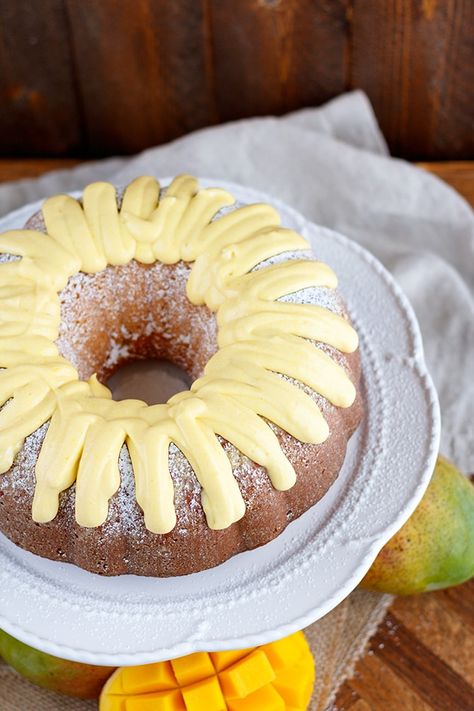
{"x":337,"y":641}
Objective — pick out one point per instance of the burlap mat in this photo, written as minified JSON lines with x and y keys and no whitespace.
{"x":337,"y":641}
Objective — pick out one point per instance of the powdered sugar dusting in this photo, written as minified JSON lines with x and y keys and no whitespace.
{"x":155,"y":296}
{"x":20,"y":478}
{"x":5,"y":258}
{"x":139,"y":312}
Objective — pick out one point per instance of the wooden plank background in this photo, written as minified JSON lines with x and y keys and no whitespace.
{"x":96,"y":77}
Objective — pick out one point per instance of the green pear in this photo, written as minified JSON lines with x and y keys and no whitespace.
{"x":435,"y":547}
{"x":82,"y":680}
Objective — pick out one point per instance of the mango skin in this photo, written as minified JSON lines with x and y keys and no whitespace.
{"x":84,"y":681}
{"x":435,"y":547}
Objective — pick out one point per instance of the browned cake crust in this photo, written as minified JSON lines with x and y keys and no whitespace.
{"x":141,"y":311}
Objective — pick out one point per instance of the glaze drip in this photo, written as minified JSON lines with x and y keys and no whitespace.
{"x":259,"y":337}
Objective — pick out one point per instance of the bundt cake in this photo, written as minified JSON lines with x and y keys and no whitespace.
{"x":221,"y":290}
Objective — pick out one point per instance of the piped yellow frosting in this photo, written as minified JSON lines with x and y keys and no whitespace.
{"x":259,"y":338}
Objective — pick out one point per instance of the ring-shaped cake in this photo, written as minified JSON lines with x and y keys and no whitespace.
{"x":223,"y":291}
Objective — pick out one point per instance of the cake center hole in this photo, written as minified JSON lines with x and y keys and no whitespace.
{"x":134,"y":327}
{"x":151,"y":380}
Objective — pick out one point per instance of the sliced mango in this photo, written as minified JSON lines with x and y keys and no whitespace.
{"x":296,"y":693}
{"x":192,"y":668}
{"x":162,"y":701}
{"x":205,"y":694}
{"x":222,"y":660}
{"x":273,"y":677}
{"x":264,"y":698}
{"x":247,"y":675}
{"x":286,"y":652}
{"x":149,"y":677}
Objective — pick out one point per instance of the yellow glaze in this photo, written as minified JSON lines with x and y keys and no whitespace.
{"x":259,"y":338}
{"x":275,"y":676}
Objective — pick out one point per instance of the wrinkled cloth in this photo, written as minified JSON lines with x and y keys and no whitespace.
{"x":332,"y":164}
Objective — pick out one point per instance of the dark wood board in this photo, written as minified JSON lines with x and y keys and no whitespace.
{"x":81,"y":77}
{"x":272,"y":57}
{"x":38,"y":98}
{"x":143,"y":71}
{"x":415,"y":60}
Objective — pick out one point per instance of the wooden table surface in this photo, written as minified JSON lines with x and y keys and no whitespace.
{"x":422,"y":656}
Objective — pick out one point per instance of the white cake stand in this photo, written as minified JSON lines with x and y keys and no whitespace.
{"x":315,"y":563}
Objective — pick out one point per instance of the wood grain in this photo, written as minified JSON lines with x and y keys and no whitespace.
{"x":415,"y":60}
{"x":272,"y":57}
{"x":434,"y":680}
{"x":39,"y":105}
{"x":458,"y":174}
{"x":437,"y":626}
{"x":116,"y":76}
{"x":20,"y":168}
{"x":142,"y":70}
{"x":393,"y":694}
{"x":421,"y":658}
